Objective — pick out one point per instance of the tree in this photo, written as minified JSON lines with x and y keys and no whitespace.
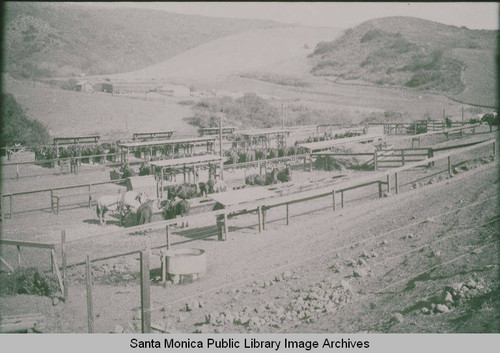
{"x":17,"y":127}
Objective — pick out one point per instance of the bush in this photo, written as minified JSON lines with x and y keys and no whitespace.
{"x":17,"y":128}
{"x":371,"y":35}
{"x":28,"y":281}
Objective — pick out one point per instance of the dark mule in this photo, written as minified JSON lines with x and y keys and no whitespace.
{"x":255,"y":179}
{"x":176,"y":207}
{"x":492,"y":119}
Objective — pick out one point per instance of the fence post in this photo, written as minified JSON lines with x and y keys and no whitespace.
{"x":388,"y":183}
{"x":342,"y":198}
{"x":18,"y":257}
{"x":11,"y":206}
{"x":379,"y":189}
{"x":226,"y":228}
{"x":494,"y":149}
{"x":259,"y":214}
{"x":145,"y":293}
{"x":88,"y":283}
{"x":167,"y":236}
{"x":375,"y":166}
{"x":2,"y":205}
{"x":63,"y":259}
{"x":89,"y":195}
{"x":263,"y":219}
{"x":449,"y":165}
{"x":396,"y":185}
{"x":333,"y":200}
{"x":17,"y":171}
{"x":287,"y":215}
{"x":403,"y":156}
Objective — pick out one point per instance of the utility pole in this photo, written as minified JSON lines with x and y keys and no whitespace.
{"x":282,"y":114}
{"x":220,"y":141}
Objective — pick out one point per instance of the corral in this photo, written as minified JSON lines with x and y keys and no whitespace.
{"x":272,"y":211}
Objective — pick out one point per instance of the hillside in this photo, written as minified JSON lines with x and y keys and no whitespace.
{"x":62,"y":39}
{"x":237,"y":53}
{"x":411,"y":52}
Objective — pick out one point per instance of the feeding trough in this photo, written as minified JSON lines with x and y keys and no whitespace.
{"x":184,"y":264}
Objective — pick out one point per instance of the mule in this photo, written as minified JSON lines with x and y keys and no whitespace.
{"x":145,"y":213}
{"x":176,"y":207}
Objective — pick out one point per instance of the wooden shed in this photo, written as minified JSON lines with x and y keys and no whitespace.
{"x":146,"y":184}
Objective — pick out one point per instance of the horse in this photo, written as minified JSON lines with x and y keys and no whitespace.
{"x":105,"y":203}
{"x":184,"y":191}
{"x":492,"y":119}
{"x":145,"y":212}
{"x":176,"y":207}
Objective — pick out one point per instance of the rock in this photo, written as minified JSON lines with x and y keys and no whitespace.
{"x":384,"y":242}
{"x":286,"y":274}
{"x":360,"y":273}
{"x":118,"y":329}
{"x":55,"y":301}
{"x":471,"y":284}
{"x":448,"y":298}
{"x":425,"y":310}
{"x":441,"y":308}
{"x":364,"y":254}
{"x":397,"y":318}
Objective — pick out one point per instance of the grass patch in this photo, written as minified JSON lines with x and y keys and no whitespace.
{"x":28,"y":281}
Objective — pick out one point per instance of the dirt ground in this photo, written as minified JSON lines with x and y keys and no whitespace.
{"x":425,"y":260}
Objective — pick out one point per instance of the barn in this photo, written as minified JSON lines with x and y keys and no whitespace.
{"x":84,"y":86}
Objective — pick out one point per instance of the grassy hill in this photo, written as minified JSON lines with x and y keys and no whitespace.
{"x":411,"y":52}
{"x":62,"y":39}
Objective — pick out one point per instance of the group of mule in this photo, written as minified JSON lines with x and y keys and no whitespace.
{"x":140,"y":204}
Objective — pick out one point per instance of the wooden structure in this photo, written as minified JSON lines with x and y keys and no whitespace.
{"x":188,"y":166}
{"x":146,"y":184}
{"x":19,"y":323}
{"x":227,"y":132}
{"x":187,"y":144}
{"x":263,"y":138}
{"x":328,"y":145}
{"x":333,"y":129}
{"x":77,"y":140}
{"x":152,"y":136}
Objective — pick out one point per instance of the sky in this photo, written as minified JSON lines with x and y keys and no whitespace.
{"x":334,"y":14}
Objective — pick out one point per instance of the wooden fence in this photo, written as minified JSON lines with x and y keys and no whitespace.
{"x":53,"y":258}
{"x":54,"y":199}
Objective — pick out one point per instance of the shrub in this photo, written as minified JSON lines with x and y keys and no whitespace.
{"x":28,"y":281}
{"x":17,"y":128}
{"x":371,"y":35}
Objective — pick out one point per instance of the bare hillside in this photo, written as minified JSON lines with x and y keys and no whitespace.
{"x":250,"y":50}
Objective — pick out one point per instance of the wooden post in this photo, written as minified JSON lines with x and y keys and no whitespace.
{"x":11,"y":206}
{"x":379,"y":189}
{"x":145,"y":293}
{"x":263,"y":219}
{"x":333,"y":200}
{"x":163,"y":259}
{"x":90,"y":197}
{"x":310,"y":164}
{"x":287,"y":215}
{"x":226,"y":228}
{"x":388,"y":183}
{"x":494,"y":149}
{"x":161,"y":182}
{"x":396,"y":185}
{"x":18,"y":256}
{"x":259,"y":214}
{"x":375,"y":166}
{"x":63,"y":259}
{"x":463,"y":115}
{"x":184,"y":173}
{"x":449,"y":165}
{"x":17,"y":171}
{"x":88,"y":282}
{"x":342,"y":198}
{"x":2,"y":205}
{"x":403,"y":156}
{"x":167,"y":236}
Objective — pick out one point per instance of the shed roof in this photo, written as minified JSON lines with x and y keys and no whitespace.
{"x":234,"y":197}
{"x":313,"y":146}
{"x":166,"y":142}
{"x":210,"y":158}
{"x":264,"y":132}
